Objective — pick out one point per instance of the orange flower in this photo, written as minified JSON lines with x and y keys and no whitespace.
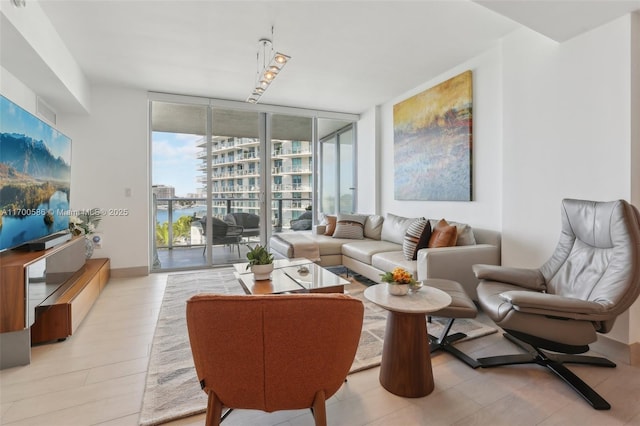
{"x":398,"y":275}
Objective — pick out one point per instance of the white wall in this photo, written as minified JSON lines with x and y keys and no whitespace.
{"x":634,"y":312}
{"x":17,"y":92}
{"x":368,"y":166}
{"x":484,"y":211}
{"x":110,"y":153}
{"x":566,"y":132}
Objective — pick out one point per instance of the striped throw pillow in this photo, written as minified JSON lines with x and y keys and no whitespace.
{"x":416,"y":238}
{"x":350,"y":226}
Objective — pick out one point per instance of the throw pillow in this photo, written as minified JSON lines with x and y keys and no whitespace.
{"x":416,"y":238}
{"x":394,"y":228}
{"x":464,"y":231}
{"x":350,"y":226}
{"x":331,"y":225}
{"x":444,"y":235}
{"x":373,"y":226}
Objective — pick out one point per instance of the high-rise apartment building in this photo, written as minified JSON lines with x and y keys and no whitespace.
{"x":236,"y":180}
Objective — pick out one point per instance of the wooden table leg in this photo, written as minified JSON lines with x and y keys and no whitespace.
{"x":405,"y":369}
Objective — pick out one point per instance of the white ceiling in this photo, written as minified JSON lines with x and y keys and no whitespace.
{"x":346,"y":56}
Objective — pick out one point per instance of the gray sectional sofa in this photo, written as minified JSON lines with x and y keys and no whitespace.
{"x":381,"y":250}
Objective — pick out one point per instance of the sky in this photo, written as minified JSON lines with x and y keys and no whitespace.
{"x":175,"y":163}
{"x":14,"y":119}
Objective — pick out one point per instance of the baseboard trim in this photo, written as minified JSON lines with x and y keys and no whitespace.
{"x":136,"y":271}
{"x":634,"y":354}
{"x":618,"y":351}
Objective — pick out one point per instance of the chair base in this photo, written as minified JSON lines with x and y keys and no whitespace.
{"x":554,"y":362}
{"x":445,"y":343}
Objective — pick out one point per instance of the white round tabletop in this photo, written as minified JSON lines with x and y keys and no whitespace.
{"x":427,"y":299}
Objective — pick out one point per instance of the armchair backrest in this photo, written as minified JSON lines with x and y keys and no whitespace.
{"x":273,"y":352}
{"x":218,"y":227}
{"x":598,"y":255}
{"x":246,"y":220}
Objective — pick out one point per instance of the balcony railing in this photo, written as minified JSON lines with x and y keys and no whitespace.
{"x":196,"y":208}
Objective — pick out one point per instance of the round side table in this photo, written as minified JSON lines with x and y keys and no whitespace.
{"x":405,"y":368}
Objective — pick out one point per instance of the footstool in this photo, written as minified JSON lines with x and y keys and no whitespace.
{"x":461,"y":307}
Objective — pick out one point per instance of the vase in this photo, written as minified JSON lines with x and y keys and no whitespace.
{"x":397,"y":289}
{"x":88,"y":247}
{"x":262,"y":272}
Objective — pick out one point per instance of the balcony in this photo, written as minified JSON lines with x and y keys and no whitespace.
{"x":176,"y":248}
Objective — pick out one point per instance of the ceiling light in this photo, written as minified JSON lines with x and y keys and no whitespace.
{"x":270,"y":63}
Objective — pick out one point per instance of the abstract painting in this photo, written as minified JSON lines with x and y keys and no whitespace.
{"x":432,"y":143}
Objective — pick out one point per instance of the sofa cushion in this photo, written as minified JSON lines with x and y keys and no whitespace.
{"x":386,"y":261}
{"x":329,"y":246}
{"x":331,"y":224}
{"x":443,"y":235}
{"x":394,"y":228}
{"x":373,"y":226}
{"x":416,"y":238}
{"x":350,"y":226}
{"x":364,"y":250}
{"x":466,"y":237}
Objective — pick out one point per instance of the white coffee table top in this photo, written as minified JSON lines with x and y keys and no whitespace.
{"x":427,"y":299}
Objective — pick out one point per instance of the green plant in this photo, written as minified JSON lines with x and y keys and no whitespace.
{"x":258,"y":255}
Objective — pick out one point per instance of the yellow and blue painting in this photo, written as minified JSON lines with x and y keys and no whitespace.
{"x":432,"y":143}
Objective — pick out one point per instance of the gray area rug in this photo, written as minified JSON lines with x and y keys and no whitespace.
{"x":172,"y":390}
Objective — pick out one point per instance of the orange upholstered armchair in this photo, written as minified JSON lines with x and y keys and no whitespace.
{"x":272,"y":352}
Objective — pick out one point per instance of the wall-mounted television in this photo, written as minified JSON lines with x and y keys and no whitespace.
{"x":35,"y":178}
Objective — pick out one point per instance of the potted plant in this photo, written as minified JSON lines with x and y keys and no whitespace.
{"x":260,"y":262}
{"x":398,"y":281}
{"x":85,"y":223}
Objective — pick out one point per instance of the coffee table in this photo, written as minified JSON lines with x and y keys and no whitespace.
{"x":405,"y":368}
{"x":288,"y":277}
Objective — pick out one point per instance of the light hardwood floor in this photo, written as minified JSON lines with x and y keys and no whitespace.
{"x":97,"y":378}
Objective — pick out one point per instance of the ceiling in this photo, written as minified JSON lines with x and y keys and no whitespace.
{"x":347,"y":56}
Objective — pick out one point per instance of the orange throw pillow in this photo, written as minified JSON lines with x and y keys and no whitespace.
{"x":331,"y":225}
{"x":444,"y":235}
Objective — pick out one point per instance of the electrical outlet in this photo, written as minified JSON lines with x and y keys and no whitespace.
{"x":127,"y":192}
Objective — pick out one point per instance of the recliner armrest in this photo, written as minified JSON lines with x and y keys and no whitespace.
{"x":553,"y":305}
{"x":531,"y":279}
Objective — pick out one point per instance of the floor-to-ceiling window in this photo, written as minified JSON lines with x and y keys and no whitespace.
{"x":337,"y":169}
{"x":236,"y":166}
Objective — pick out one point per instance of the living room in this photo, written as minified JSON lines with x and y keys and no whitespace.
{"x":552,"y":120}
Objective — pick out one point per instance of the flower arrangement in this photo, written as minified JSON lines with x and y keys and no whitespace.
{"x":85,"y":223}
{"x":398,"y":276}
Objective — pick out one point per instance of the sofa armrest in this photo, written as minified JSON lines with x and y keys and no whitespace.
{"x":456,"y":263}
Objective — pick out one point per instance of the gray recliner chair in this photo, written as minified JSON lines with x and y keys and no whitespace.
{"x":592,"y":277}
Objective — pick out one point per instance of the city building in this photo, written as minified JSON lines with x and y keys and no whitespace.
{"x":235,"y":177}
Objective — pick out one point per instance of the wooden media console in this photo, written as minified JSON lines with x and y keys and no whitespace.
{"x":45,"y":295}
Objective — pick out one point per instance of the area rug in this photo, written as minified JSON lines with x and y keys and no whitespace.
{"x":172,"y":390}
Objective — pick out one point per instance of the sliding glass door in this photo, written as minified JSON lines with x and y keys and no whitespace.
{"x":179,"y":133}
{"x":227,"y":177}
{"x":337,"y":169}
{"x":291,"y":169}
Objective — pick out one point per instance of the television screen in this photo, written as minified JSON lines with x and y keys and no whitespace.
{"x":35,"y":177}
